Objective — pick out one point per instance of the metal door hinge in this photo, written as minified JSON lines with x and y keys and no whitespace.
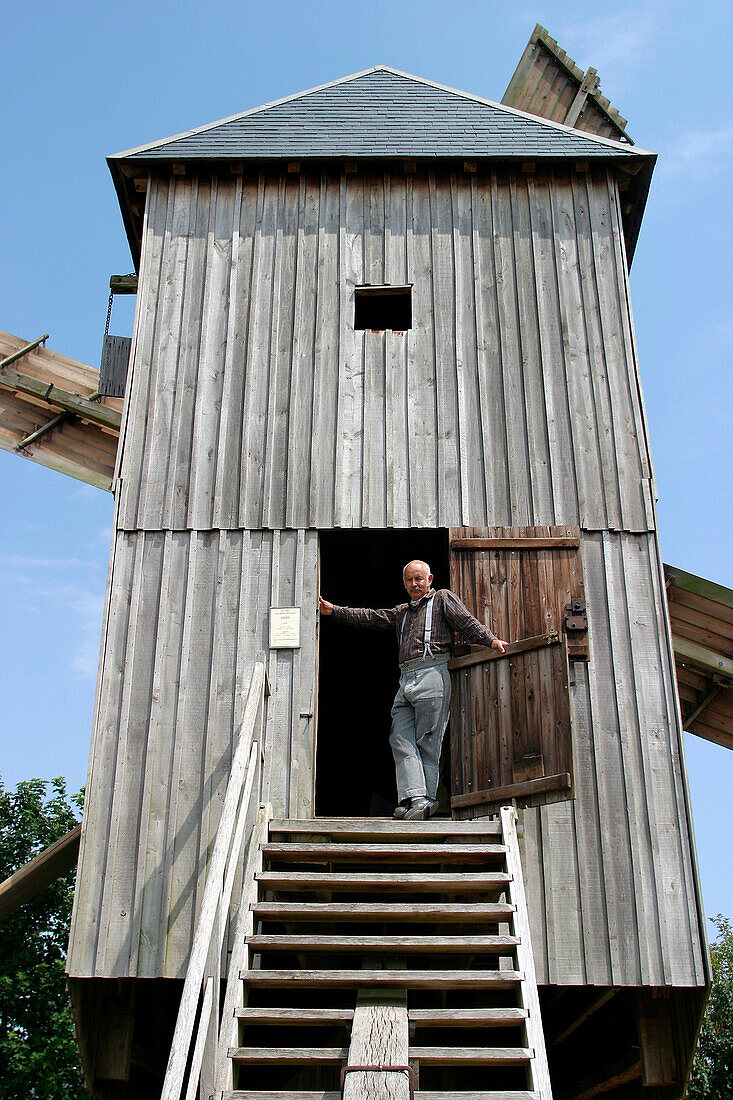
{"x":576,"y":615}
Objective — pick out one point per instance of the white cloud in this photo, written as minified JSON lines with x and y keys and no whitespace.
{"x":614,"y":44}
{"x":19,"y":561}
{"x":700,"y":150}
{"x":46,"y":586}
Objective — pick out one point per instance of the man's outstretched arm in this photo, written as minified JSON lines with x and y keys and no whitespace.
{"x":359,"y":616}
{"x":469,"y":627}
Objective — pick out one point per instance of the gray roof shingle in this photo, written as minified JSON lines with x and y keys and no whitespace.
{"x":380,"y":113}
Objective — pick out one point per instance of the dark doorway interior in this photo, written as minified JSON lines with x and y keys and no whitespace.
{"x":358,"y":668}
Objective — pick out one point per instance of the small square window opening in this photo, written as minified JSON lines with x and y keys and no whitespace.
{"x":383,"y":307}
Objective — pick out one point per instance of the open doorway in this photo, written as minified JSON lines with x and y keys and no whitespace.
{"x":358,"y":670}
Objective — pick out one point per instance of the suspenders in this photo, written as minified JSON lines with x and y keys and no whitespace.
{"x":426,"y":652}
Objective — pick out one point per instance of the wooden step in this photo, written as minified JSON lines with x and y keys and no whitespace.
{"x":258,"y":1094}
{"x":503,"y":1095}
{"x":471,"y":1056}
{"x":427,"y":1056}
{"x":400,"y":979}
{"x":440,"y":912}
{"x":466,"y":1017}
{"x":431,"y":944}
{"x":296,"y":1017}
{"x":277,"y":1094}
{"x":385,"y":827}
{"x":377,"y":880}
{"x":350,"y":853}
{"x":289,"y":1056}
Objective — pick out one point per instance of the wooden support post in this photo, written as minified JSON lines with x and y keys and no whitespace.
{"x":656,"y":1039}
{"x":379,"y":1037}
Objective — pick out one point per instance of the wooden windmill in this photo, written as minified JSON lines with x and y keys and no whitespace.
{"x":377,"y":320}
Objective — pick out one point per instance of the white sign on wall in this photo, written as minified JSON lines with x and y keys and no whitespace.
{"x":284,"y":628}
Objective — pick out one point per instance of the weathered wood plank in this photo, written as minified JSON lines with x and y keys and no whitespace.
{"x":421,"y":412}
{"x":379,"y":1036}
{"x":184,"y":401}
{"x":212,"y":354}
{"x":387,"y":944}
{"x":467,"y":1017}
{"x":321,"y":852}
{"x":337,"y":881}
{"x":350,"y":411}
{"x":34,"y":876}
{"x":488,"y":355}
{"x":300,"y":408}
{"x":408,"y":979}
{"x":286,"y":280}
{"x":374,"y":826}
{"x":414,"y":912}
{"x":513,"y":790}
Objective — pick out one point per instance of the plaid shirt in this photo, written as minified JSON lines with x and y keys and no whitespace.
{"x":449,"y":615}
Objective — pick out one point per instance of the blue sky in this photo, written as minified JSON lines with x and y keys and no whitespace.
{"x":84,"y":80}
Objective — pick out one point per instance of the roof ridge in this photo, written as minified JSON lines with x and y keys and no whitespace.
{"x":471,"y":97}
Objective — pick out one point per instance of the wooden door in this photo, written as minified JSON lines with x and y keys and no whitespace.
{"x":510,"y":713}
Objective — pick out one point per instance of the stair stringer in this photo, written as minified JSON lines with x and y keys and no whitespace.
{"x":528,"y":992}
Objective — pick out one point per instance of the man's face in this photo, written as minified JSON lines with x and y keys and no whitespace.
{"x":417,"y":580}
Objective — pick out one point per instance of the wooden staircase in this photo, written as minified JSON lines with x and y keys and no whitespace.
{"x":389,"y":944}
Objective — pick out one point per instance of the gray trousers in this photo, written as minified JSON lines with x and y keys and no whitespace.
{"x":419,"y":717}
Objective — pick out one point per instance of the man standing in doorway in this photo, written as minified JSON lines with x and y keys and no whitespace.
{"x":424,"y":628}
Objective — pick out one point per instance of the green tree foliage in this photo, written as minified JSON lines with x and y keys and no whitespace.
{"x":712,"y":1069}
{"x":38,"y":1052}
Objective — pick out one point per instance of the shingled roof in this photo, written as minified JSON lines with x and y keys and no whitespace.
{"x":380,"y":113}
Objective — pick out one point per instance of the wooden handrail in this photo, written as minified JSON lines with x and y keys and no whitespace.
{"x":215,"y":901}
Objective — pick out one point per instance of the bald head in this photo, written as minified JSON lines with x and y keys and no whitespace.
{"x":417,"y":578}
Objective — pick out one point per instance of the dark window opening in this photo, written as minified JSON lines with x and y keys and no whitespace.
{"x":357,"y":669}
{"x":383,"y":307}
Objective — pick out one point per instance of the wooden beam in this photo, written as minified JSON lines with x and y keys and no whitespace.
{"x":563,"y":543}
{"x":612,"y":1077}
{"x":701,"y":707}
{"x":523,"y":646}
{"x":379,"y":1037}
{"x":14,"y":356}
{"x":559,"y":782}
{"x":60,"y":418}
{"x":656,"y":1039}
{"x":596,"y":1003}
{"x":103,"y":415}
{"x":589,"y":85}
{"x":698,"y":585}
{"x":49,"y":865}
{"x":123,"y":284}
{"x":702,"y":657}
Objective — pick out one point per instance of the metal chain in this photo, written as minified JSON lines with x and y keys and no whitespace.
{"x":109,"y":314}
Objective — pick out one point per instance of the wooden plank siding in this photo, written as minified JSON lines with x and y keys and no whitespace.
{"x":256,"y":415}
{"x":499,"y":406}
{"x":179,"y":645}
{"x":619,"y":856}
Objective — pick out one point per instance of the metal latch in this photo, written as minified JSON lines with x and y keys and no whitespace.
{"x":576,"y":616}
